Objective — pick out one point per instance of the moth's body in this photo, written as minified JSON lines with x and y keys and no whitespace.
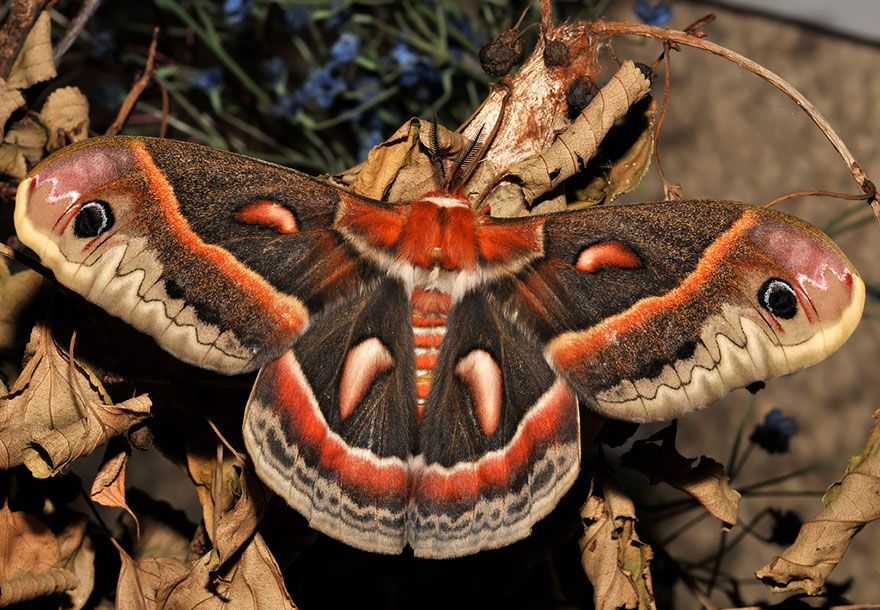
{"x":422,"y":366}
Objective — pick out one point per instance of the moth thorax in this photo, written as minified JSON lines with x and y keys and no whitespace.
{"x":429,"y":311}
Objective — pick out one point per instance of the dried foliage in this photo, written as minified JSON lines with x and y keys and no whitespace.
{"x":545,"y":145}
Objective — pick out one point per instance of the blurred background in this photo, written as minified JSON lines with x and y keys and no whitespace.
{"x":315,"y":85}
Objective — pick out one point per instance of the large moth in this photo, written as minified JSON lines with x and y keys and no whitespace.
{"x":421,"y":368}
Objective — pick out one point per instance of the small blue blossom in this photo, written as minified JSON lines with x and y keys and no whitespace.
{"x":276,"y":70}
{"x":297,"y":17}
{"x":286,"y":106}
{"x":236,"y":11}
{"x":340,"y":16}
{"x":109,"y":94}
{"x":322,"y":86}
{"x":403,"y":55}
{"x":416,"y":73}
{"x":653,"y":13}
{"x":372,"y":138}
{"x":345,"y":49}
{"x":774,"y":434}
{"x":205,"y":79}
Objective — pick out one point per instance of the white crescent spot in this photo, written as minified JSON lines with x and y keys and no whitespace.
{"x":364,"y":363}
{"x":480,"y":373}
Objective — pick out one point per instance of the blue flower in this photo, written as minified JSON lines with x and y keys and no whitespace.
{"x":403,"y":55}
{"x":774,"y":435}
{"x":205,"y":79}
{"x":322,"y":86}
{"x":286,"y":106}
{"x":340,"y":16}
{"x":297,"y":17}
{"x":236,"y":11}
{"x":345,"y":49}
{"x":276,"y":70}
{"x":416,"y":73}
{"x":651,"y":13}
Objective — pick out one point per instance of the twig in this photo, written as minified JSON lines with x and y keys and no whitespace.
{"x":73,"y":30}
{"x":606,"y":29}
{"x":22,"y":17}
{"x":218,"y":493}
{"x":136,"y":89}
{"x":813,"y":193}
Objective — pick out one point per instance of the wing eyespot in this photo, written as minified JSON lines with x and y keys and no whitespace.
{"x":93,"y":219}
{"x":779,"y":298}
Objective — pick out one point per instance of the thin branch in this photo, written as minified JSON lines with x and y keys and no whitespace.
{"x":607,"y":29}
{"x":136,"y":89}
{"x":813,"y":193}
{"x":73,"y":30}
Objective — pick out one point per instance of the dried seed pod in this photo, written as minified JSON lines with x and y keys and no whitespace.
{"x":580,"y":93}
{"x":505,"y":51}
{"x":555,"y":53}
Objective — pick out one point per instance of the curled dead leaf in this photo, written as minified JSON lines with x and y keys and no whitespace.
{"x":78,"y":557}
{"x":613,"y":557}
{"x":849,"y":505}
{"x":53,"y":414}
{"x":30,"y":560}
{"x":706,"y":482}
{"x":627,"y":165}
{"x":108,"y":488}
{"x":11,"y":100}
{"x":238,"y":574}
{"x":34,"y":63}
{"x":575,"y":146}
{"x":66,"y":117}
{"x":22,"y":146}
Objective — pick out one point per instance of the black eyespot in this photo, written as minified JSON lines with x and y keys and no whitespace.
{"x":93,"y":219}
{"x":778,"y":297}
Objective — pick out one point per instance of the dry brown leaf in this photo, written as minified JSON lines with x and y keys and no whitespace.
{"x":53,"y":414}
{"x":253,"y":582}
{"x":849,"y":505}
{"x":22,"y":145}
{"x":34,"y":63}
{"x":30,"y":561}
{"x":140,"y":581}
{"x":528,"y":179}
{"x":628,"y":166}
{"x":11,"y":100}
{"x":239,"y":574}
{"x":108,"y":488}
{"x":66,"y":117}
{"x":615,"y":560}
{"x":385,"y":161}
{"x":201,"y":464}
{"x":78,"y":557}
{"x":706,"y":482}
{"x":17,"y":293}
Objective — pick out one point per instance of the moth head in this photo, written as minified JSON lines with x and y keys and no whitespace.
{"x":802,"y":288}
{"x":70,"y":205}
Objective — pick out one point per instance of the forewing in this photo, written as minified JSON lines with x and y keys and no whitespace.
{"x":652,"y":310}
{"x":223,"y":259}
